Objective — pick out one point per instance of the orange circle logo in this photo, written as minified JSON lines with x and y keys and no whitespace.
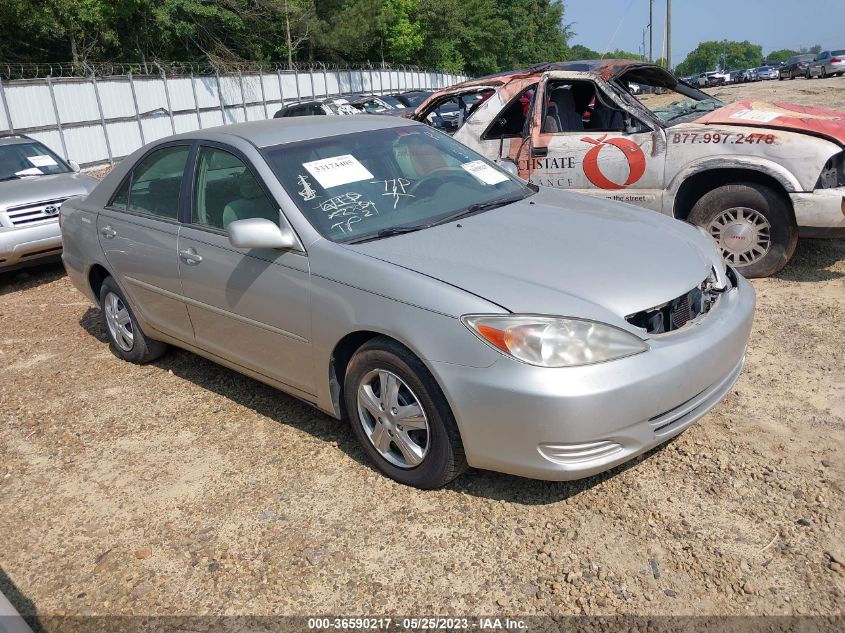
{"x":632,"y":152}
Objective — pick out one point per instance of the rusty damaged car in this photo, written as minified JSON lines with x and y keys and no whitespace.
{"x":752,"y":174}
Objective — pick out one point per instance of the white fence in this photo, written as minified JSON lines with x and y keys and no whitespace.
{"x":97,"y":121}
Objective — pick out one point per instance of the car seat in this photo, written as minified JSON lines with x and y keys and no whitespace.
{"x":252,"y":203}
{"x":560,"y":114}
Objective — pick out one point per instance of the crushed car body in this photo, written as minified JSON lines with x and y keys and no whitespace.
{"x":749,"y":173}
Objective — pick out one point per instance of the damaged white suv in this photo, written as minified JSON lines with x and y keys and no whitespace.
{"x":751,"y":174}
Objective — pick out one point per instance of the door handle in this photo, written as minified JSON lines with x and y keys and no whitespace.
{"x":539,"y":151}
{"x":108,"y":232}
{"x":190,"y":257}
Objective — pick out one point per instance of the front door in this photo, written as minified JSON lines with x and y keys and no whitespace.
{"x":582,"y":139}
{"x":250,"y":307}
{"x":138,"y":232}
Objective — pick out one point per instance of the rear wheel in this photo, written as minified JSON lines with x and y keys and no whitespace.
{"x":752,"y":224}
{"x":400,"y":416}
{"x":127,"y":340}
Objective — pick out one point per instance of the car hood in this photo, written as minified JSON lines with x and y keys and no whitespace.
{"x":559,"y":253}
{"x":40,"y":188}
{"x":829,"y":124}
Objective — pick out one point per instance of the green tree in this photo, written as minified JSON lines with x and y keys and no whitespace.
{"x":708,"y":54}
{"x":781,"y":55}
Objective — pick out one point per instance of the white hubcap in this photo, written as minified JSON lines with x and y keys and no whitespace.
{"x":743,"y":235}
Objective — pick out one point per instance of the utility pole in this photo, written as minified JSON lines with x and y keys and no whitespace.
{"x":643,"y":49}
{"x":650,"y":30}
{"x":669,"y":35}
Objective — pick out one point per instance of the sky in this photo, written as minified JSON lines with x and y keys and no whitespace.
{"x":775,"y":24}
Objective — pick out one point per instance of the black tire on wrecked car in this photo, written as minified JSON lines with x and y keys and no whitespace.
{"x":401,"y":417}
{"x":126,"y":339}
{"x":753,"y":225}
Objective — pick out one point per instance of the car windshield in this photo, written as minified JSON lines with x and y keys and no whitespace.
{"x":18,"y":160}
{"x":391,"y":100}
{"x":671,"y":106}
{"x":372,"y":184}
{"x":413,"y":99}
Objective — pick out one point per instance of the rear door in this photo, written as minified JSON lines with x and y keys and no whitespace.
{"x":249,"y":306}
{"x":138,"y":231}
{"x":584,"y":139}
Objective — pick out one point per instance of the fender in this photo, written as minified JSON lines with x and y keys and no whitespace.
{"x":764,"y":166}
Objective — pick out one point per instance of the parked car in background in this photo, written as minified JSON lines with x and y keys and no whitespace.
{"x":751,"y":75}
{"x":412,"y":98}
{"x":369,"y":104}
{"x":766,"y":72}
{"x":34,"y":183}
{"x":320,"y":107}
{"x":454,"y":314}
{"x":777,"y":168}
{"x":827,"y":64}
{"x":738,"y":76}
{"x":795,"y":66}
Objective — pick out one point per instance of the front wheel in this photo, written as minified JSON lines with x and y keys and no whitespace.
{"x":125,"y":336}
{"x":400,"y":416}
{"x":752,"y":224}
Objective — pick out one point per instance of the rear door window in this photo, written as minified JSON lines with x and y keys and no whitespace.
{"x":153,"y":186}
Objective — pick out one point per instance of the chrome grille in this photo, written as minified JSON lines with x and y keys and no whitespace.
{"x":36,"y":212}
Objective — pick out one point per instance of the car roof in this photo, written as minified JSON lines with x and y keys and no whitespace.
{"x":291,"y":130}
{"x":14,"y":139}
{"x":604,"y":68}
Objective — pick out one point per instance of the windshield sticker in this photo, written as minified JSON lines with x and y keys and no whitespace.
{"x":307,"y":192}
{"x":758,"y":116}
{"x":346,"y":210}
{"x":42,"y":160}
{"x":396,"y":188}
{"x":338,"y":170}
{"x":484,"y":172}
{"x":29,"y":171}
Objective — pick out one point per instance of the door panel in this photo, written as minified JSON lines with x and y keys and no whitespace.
{"x":138,"y":232}
{"x":250,"y":306}
{"x":609,"y":163}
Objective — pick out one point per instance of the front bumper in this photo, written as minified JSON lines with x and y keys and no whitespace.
{"x":562,"y":424}
{"x":21,"y":245}
{"x":821,"y":209}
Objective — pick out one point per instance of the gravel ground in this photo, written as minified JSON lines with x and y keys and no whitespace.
{"x":181,"y":487}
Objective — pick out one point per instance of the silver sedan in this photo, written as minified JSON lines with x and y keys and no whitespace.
{"x":453,"y":313}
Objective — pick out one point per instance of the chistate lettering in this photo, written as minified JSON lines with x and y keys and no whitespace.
{"x":558,"y":162}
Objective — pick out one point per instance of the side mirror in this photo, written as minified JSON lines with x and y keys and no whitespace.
{"x":259,"y":233}
{"x":74,"y":166}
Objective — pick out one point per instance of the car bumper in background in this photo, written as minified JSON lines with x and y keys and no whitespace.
{"x":820,"y":211}
{"x":561,"y":424}
{"x":20,"y":246}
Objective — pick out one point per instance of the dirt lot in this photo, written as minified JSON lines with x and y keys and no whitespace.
{"x":182,"y":487}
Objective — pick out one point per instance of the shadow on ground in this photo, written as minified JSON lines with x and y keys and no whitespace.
{"x":284,"y":409}
{"x":813,"y":259}
{"x":20,"y":602}
{"x":31,"y":277}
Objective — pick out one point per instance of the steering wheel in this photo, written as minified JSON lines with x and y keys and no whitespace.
{"x":440,"y":174}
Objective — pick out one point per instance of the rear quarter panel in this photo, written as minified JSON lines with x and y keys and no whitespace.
{"x":80,"y":243}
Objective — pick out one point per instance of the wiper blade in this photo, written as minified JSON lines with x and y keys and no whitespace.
{"x":478,"y":207}
{"x":393,"y":230}
{"x":12,"y":177}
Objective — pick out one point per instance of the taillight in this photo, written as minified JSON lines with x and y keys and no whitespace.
{"x":835,"y":60}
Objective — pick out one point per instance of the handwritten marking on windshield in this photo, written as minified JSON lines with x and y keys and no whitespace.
{"x":307,"y":192}
{"x":348,"y":209}
{"x":395,"y":188}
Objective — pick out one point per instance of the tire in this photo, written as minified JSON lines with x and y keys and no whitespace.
{"x":823,"y":74}
{"x":438,"y":446}
{"x":753,"y":225}
{"x":126,"y":339}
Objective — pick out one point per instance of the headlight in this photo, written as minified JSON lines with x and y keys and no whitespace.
{"x":554,"y":341}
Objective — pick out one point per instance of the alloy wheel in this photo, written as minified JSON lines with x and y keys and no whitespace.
{"x":743,"y":235}
{"x":119,"y":322}
{"x":393,"y":419}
